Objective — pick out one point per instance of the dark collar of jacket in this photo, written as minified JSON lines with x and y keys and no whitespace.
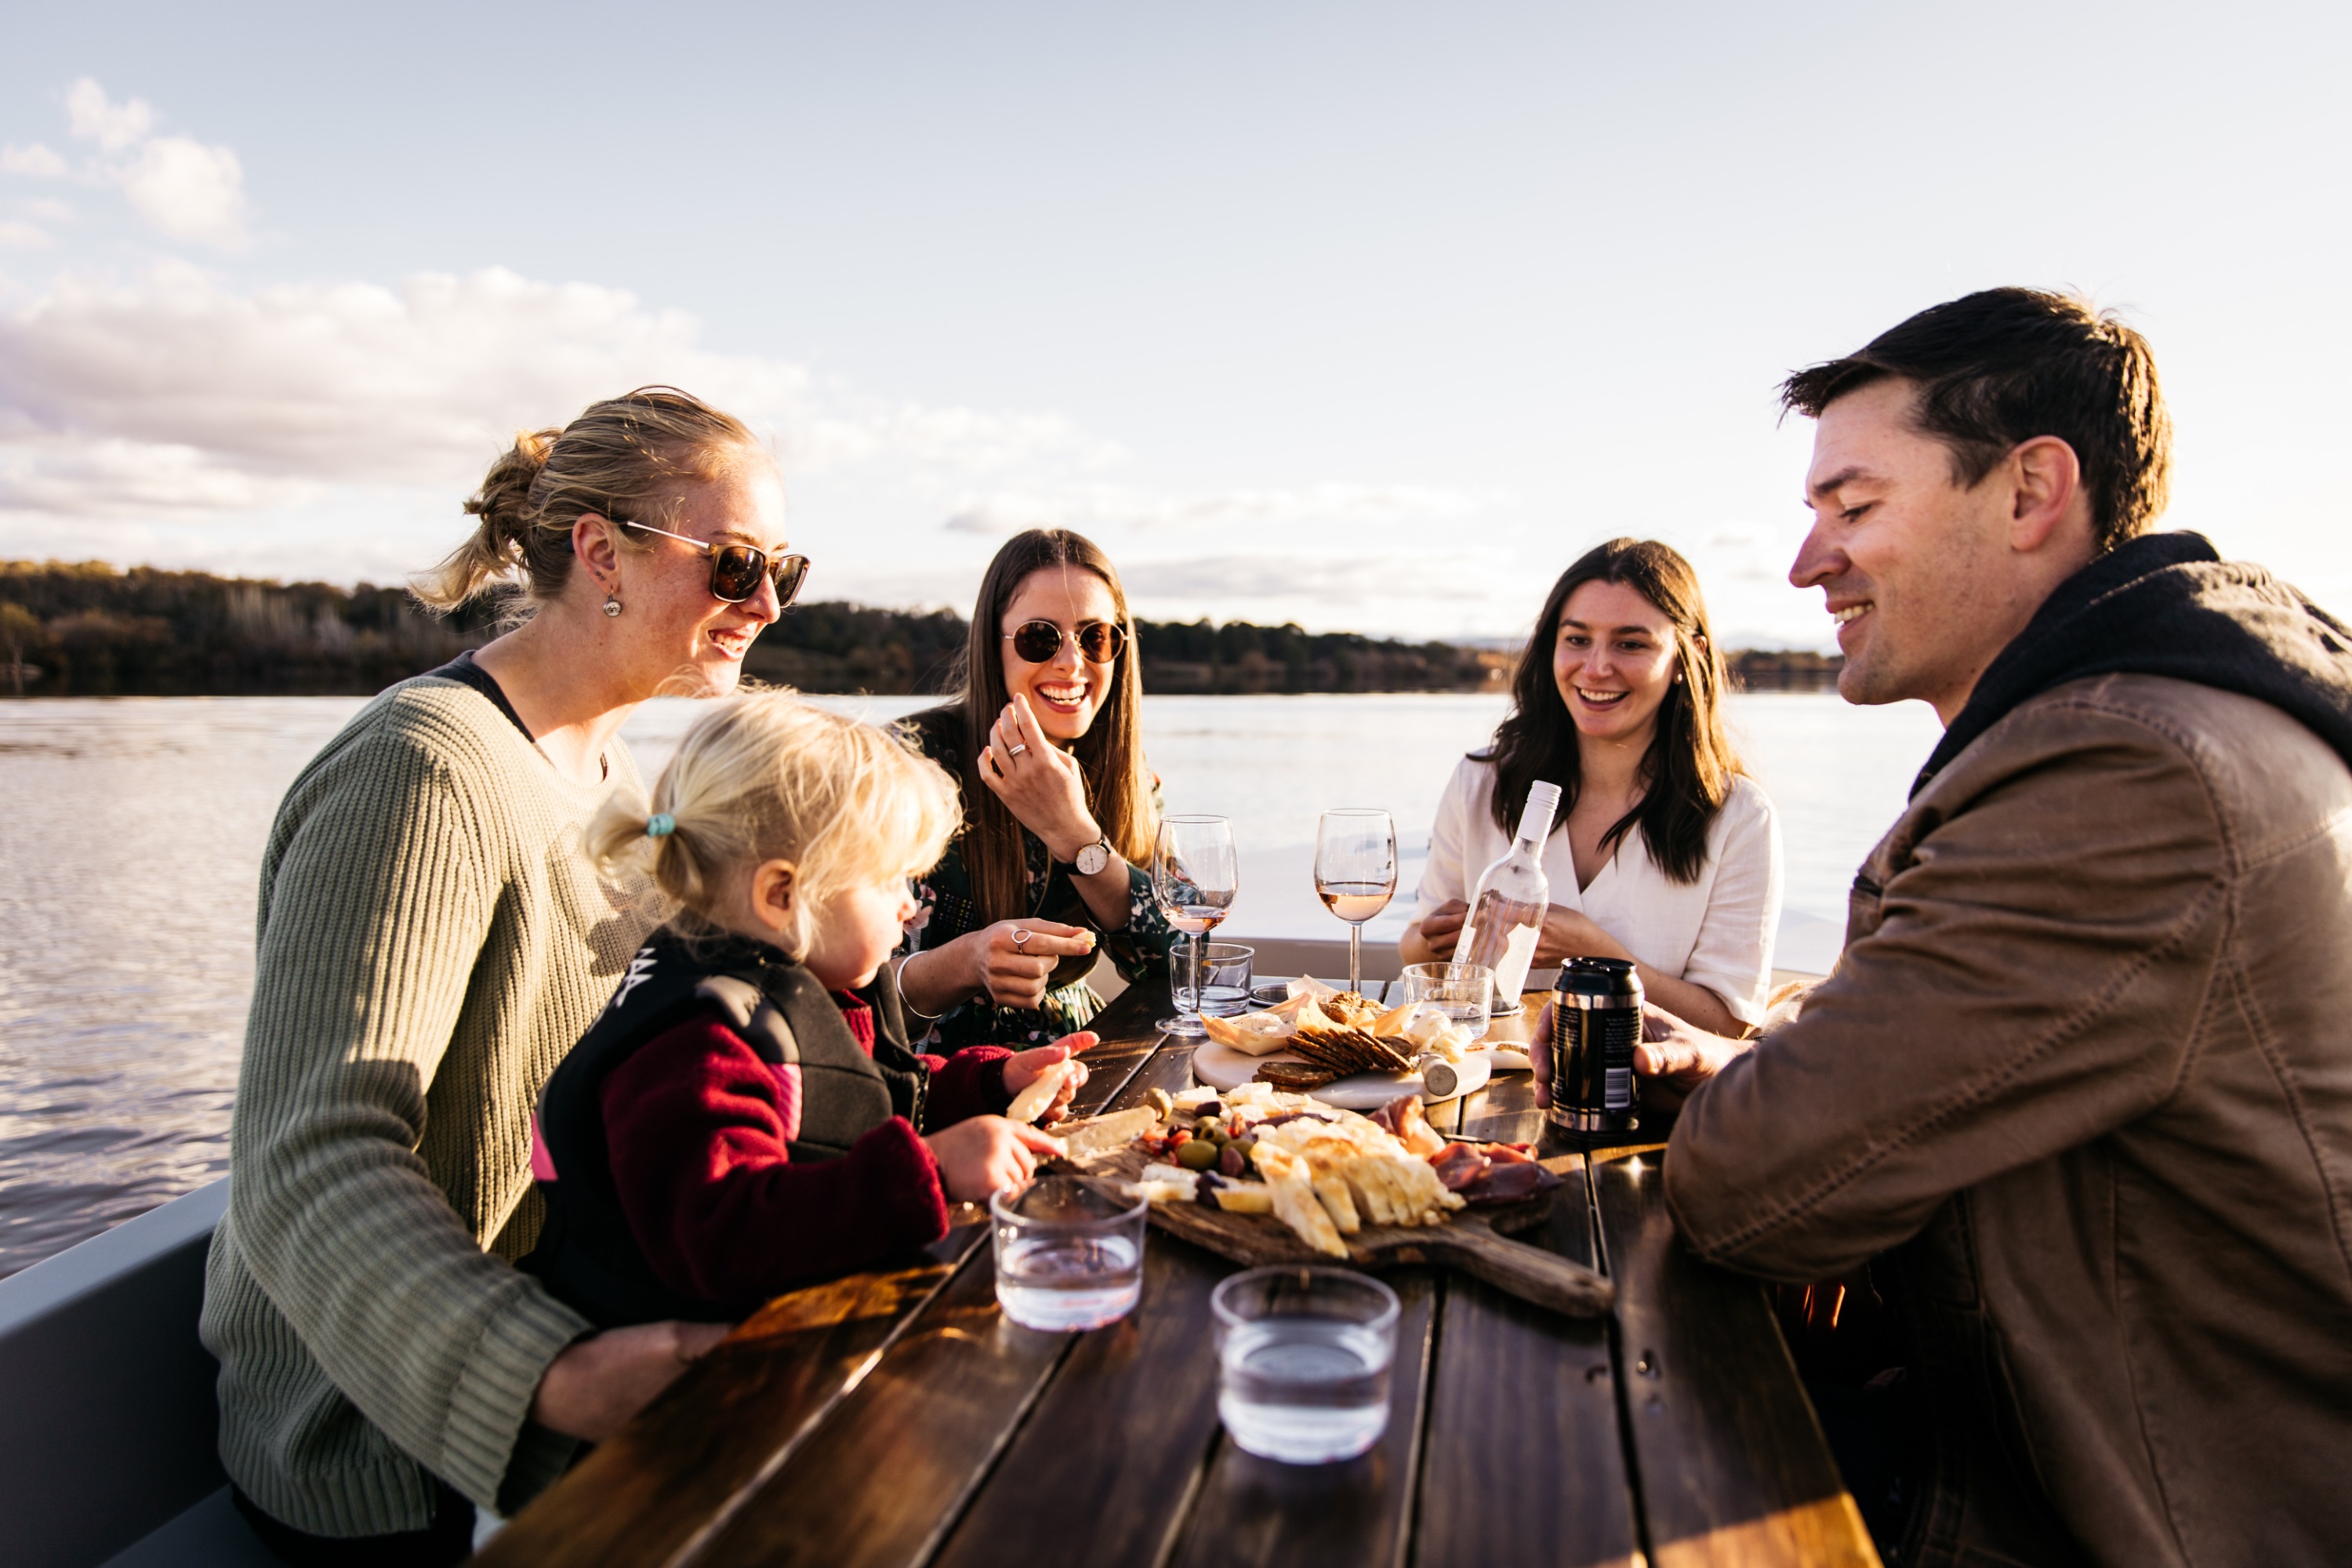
{"x":2167,"y":604}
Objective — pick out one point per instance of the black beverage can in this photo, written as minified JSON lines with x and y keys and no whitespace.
{"x":1596,"y":1021}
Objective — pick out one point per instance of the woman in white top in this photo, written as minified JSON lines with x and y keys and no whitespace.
{"x":1667,"y":852}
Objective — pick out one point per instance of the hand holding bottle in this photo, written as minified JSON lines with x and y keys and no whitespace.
{"x":1441,"y":929}
{"x":1513,"y":898}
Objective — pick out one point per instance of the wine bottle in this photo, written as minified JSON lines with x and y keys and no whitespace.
{"x":1507,"y":912}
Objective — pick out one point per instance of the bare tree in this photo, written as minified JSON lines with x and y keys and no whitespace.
{"x":19,"y":629}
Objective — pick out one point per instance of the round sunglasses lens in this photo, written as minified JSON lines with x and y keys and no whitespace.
{"x":1037,"y":641}
{"x":1102,"y":641}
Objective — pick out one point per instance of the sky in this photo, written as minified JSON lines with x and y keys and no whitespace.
{"x":1368,"y":316}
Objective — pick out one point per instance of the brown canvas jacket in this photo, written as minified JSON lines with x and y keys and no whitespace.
{"x":2083,"y":1076}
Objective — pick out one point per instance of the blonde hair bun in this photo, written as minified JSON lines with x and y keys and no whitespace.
{"x":630,"y":454}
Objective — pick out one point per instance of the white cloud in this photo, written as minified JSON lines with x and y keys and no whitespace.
{"x":133,"y":478}
{"x":40,"y":161}
{"x":184,"y":188}
{"x":95,"y":118}
{"x":189,"y":191}
{"x":23,"y":236}
{"x":415,"y":385}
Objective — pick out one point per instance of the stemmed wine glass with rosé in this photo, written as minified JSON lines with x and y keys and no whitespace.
{"x":1194,"y":875}
{"x":1356,"y":873}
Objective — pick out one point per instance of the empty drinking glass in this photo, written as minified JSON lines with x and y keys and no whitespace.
{"x":1068,"y":1255}
{"x":1302,"y":1359}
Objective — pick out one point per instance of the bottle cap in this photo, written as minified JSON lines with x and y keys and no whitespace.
{"x":1535,"y":822}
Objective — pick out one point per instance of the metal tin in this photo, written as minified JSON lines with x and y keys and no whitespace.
{"x":1596,"y":1023}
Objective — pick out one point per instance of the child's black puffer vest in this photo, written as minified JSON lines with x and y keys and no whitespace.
{"x":585,"y":1252}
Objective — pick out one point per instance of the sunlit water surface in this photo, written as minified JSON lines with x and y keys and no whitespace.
{"x":132,"y":830}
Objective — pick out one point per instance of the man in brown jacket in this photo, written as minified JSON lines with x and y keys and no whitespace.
{"x":2080,"y":1091}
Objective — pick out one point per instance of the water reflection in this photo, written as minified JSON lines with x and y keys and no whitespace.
{"x":132,"y":833}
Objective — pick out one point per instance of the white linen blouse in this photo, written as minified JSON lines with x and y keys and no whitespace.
{"x":1716,"y":931}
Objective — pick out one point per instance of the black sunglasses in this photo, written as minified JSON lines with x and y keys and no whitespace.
{"x":736,"y":569}
{"x":1040,"y":641}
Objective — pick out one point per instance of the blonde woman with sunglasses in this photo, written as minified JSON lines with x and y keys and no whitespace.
{"x":432,"y":942}
{"x":1053,"y":862}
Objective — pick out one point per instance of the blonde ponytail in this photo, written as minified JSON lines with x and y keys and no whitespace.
{"x":628,"y":456}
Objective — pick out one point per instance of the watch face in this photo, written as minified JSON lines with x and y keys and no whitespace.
{"x":1093,"y":858}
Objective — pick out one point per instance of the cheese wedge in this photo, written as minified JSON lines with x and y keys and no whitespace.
{"x":1251,"y":1034}
{"x":1031,"y":1102}
{"x":1246,"y":1197}
{"x":1100,"y":1132}
{"x":1294,"y":1201}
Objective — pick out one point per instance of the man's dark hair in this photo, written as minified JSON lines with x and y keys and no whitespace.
{"x":1998,"y":368}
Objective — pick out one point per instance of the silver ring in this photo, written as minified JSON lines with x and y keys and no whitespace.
{"x":1019,"y":936}
{"x":1018,"y":747}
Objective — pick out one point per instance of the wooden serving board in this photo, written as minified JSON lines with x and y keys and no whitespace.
{"x":1474,"y":1240}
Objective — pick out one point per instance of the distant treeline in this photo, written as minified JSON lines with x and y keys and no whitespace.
{"x":88,"y":630}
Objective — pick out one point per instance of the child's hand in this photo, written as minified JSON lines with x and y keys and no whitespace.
{"x":985,"y":1154}
{"x":1024,"y":1067}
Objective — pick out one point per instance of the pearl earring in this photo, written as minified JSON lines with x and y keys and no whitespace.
{"x":612,"y":606}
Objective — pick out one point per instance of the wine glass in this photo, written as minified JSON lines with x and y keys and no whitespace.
{"x":1194,"y":875}
{"x":1356,"y":873}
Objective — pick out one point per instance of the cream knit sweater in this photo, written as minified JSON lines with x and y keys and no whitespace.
{"x":431,"y":941}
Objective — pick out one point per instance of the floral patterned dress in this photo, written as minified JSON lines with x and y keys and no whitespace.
{"x":947,"y":910}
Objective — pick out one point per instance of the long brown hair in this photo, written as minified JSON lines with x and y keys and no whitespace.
{"x":1109,"y":755}
{"x":1690,"y":764}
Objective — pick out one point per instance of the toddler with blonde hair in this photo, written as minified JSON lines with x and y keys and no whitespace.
{"x":747,"y":1115}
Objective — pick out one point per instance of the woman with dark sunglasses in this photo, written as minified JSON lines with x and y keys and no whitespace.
{"x":432,"y":944}
{"x":1045,"y":737}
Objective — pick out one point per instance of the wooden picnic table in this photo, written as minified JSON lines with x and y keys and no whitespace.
{"x":897,"y":1419}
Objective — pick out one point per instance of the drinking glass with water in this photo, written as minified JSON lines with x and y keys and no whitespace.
{"x":1464,"y":992}
{"x":1303,"y":1357}
{"x":1224,"y":981}
{"x":1068,"y":1255}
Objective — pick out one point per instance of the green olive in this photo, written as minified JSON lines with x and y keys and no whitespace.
{"x":1197,"y":1155}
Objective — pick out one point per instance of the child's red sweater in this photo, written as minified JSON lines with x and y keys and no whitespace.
{"x":696,"y":1124}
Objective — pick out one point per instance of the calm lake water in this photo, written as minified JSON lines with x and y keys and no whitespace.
{"x":133,"y":828}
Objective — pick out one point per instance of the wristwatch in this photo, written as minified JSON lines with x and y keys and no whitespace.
{"x":1094,"y":856}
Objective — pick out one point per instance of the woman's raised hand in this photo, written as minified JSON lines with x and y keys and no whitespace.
{"x":984,"y":1154}
{"x":1038,"y":781}
{"x":1024,"y":1068}
{"x":1011,"y":958}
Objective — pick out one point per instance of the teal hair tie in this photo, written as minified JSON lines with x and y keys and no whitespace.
{"x":660,"y":825}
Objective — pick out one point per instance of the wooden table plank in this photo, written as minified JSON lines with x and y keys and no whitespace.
{"x":887,"y":1472}
{"x":1728,"y":1457}
{"x":1355,"y":1515}
{"x":656,"y":1488}
{"x":889,"y":1469}
{"x":1128,"y":1039}
{"x":1524,"y":1459}
{"x":1117,"y":1442}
